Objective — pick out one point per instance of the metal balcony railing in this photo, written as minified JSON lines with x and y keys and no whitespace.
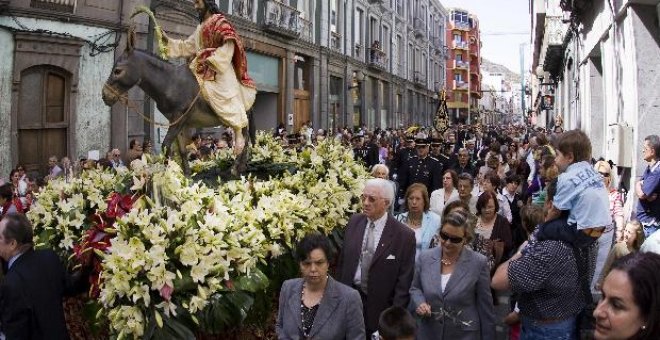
{"x":283,"y":19}
{"x":335,"y":41}
{"x":57,"y":5}
{"x":306,"y":30}
{"x":460,"y":85}
{"x":464,"y":26}
{"x":461,"y":44}
{"x":377,"y":58}
{"x":243,"y":9}
{"x":420,"y":78}
{"x":461,"y":64}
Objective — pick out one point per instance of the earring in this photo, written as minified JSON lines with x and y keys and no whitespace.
{"x":644,"y":327}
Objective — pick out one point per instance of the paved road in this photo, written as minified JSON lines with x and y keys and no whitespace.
{"x":502,"y":310}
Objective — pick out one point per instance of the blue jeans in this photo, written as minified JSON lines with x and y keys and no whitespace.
{"x":559,"y":330}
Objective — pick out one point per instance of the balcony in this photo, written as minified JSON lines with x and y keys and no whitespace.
{"x":378,"y":2}
{"x":419,"y":78}
{"x":243,"y":9}
{"x":553,"y":44}
{"x":474,"y":70}
{"x":335,"y":42}
{"x":461,"y":26}
{"x":306,"y":30}
{"x":53,"y":5}
{"x":474,"y":50}
{"x":461,"y":45}
{"x":460,"y":86}
{"x":460,"y":64}
{"x":282,"y":19}
{"x":377,"y":59}
{"x":419,"y":27}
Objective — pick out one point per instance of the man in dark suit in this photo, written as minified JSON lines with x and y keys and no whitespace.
{"x":378,"y":257}
{"x":31,"y":293}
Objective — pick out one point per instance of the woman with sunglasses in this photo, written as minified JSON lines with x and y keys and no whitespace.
{"x":616,"y":228}
{"x":451,"y":287}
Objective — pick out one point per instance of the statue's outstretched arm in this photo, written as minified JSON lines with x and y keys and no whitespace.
{"x":178,"y":48}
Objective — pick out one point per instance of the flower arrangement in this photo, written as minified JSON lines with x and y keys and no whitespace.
{"x":168,"y":248}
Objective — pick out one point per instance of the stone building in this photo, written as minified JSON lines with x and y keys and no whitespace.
{"x":335,"y":63}
{"x":596,"y":64}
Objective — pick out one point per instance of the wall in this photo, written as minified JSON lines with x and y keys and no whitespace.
{"x":92,"y":119}
{"x":6,"y":55}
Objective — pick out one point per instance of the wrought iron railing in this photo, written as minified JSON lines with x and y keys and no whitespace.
{"x":378,"y":58}
{"x":335,"y":41}
{"x":282,"y":17}
{"x":420,"y":78}
{"x":306,"y":30}
{"x":57,"y":5}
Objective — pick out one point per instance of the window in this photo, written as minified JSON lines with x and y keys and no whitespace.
{"x":334,"y":15}
{"x":374,"y":30}
{"x":43,"y":116}
{"x":303,"y":7}
{"x":386,"y":40}
{"x":459,"y":56}
{"x":458,"y":77}
{"x":411,"y":60}
{"x":359,"y":17}
{"x":458,"y":38}
{"x":460,"y":17}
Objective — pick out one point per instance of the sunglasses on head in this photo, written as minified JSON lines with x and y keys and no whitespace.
{"x":452,"y":239}
{"x":604,"y":174}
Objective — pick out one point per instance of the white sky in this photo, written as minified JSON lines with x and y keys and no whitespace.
{"x":502,"y":22}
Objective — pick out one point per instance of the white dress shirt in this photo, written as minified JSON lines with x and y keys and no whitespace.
{"x":378,"y":232}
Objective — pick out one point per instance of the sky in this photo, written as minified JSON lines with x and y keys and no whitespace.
{"x":502,"y":22}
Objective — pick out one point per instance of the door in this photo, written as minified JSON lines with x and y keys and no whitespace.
{"x":43,"y":117}
{"x":300,"y":109}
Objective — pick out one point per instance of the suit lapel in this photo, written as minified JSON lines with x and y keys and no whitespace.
{"x":294,"y":303}
{"x":328,"y":304}
{"x":386,"y":240}
{"x":354,"y":250}
{"x":461,"y":269}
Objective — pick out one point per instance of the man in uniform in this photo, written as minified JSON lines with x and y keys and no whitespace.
{"x":403,"y":155}
{"x":421,"y":168}
{"x":360,"y":152}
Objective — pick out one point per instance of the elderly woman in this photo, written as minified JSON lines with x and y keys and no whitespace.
{"x":447,"y":193}
{"x":630,"y":305}
{"x":616,"y":228}
{"x":493,"y":232}
{"x":465,"y":186}
{"x":451,"y":287}
{"x":417,"y":216}
{"x":316,"y":306}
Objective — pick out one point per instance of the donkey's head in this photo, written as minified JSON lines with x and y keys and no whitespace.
{"x":125,"y":74}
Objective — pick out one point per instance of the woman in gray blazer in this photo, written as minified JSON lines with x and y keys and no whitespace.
{"x":316,"y":306}
{"x":451,"y":287}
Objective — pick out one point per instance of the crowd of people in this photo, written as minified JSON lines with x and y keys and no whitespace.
{"x":452,"y":221}
{"x":449,"y":223}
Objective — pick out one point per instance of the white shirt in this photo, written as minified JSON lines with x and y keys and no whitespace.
{"x":378,"y":232}
{"x":443,"y":281}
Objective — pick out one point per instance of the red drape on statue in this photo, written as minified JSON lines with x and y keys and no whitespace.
{"x":215,"y":31}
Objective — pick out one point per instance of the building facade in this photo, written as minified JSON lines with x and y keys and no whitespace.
{"x":463,"y":65}
{"x":342,"y":63}
{"x":596,"y":66}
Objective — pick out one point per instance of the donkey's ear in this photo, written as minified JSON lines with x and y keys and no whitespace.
{"x":130,"y":40}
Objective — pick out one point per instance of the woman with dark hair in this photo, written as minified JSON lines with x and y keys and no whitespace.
{"x":7,"y":203}
{"x":630,"y":307}
{"x":417,"y":216}
{"x":316,"y":306}
{"x":492,"y":183}
{"x":492,"y":232}
{"x":447,"y":193}
{"x":451,"y":287}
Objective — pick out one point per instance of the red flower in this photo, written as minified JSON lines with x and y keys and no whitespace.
{"x":166,"y":292}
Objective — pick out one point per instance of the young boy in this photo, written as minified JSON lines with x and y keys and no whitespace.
{"x":395,"y":323}
{"x":581,"y":191}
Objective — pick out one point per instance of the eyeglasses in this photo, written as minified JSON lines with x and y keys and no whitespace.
{"x":453,"y":239}
{"x":604,"y":174}
{"x":368,"y":198}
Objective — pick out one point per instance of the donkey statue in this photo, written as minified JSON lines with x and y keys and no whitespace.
{"x":176,"y":93}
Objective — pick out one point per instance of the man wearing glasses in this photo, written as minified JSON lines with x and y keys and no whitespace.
{"x":378,"y":257}
{"x":464,"y":164}
{"x":421,"y":169}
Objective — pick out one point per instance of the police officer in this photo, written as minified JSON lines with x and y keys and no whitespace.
{"x":442,"y":154}
{"x":360,"y":152}
{"x":403,"y":155}
{"x":421,"y":168}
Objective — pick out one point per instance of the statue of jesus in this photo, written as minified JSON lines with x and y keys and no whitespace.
{"x":220,"y":66}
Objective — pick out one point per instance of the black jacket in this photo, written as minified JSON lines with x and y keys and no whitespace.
{"x":31,"y":297}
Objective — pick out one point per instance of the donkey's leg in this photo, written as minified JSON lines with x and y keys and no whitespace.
{"x":181,"y":143}
{"x":172,"y":132}
{"x":240,"y":164}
